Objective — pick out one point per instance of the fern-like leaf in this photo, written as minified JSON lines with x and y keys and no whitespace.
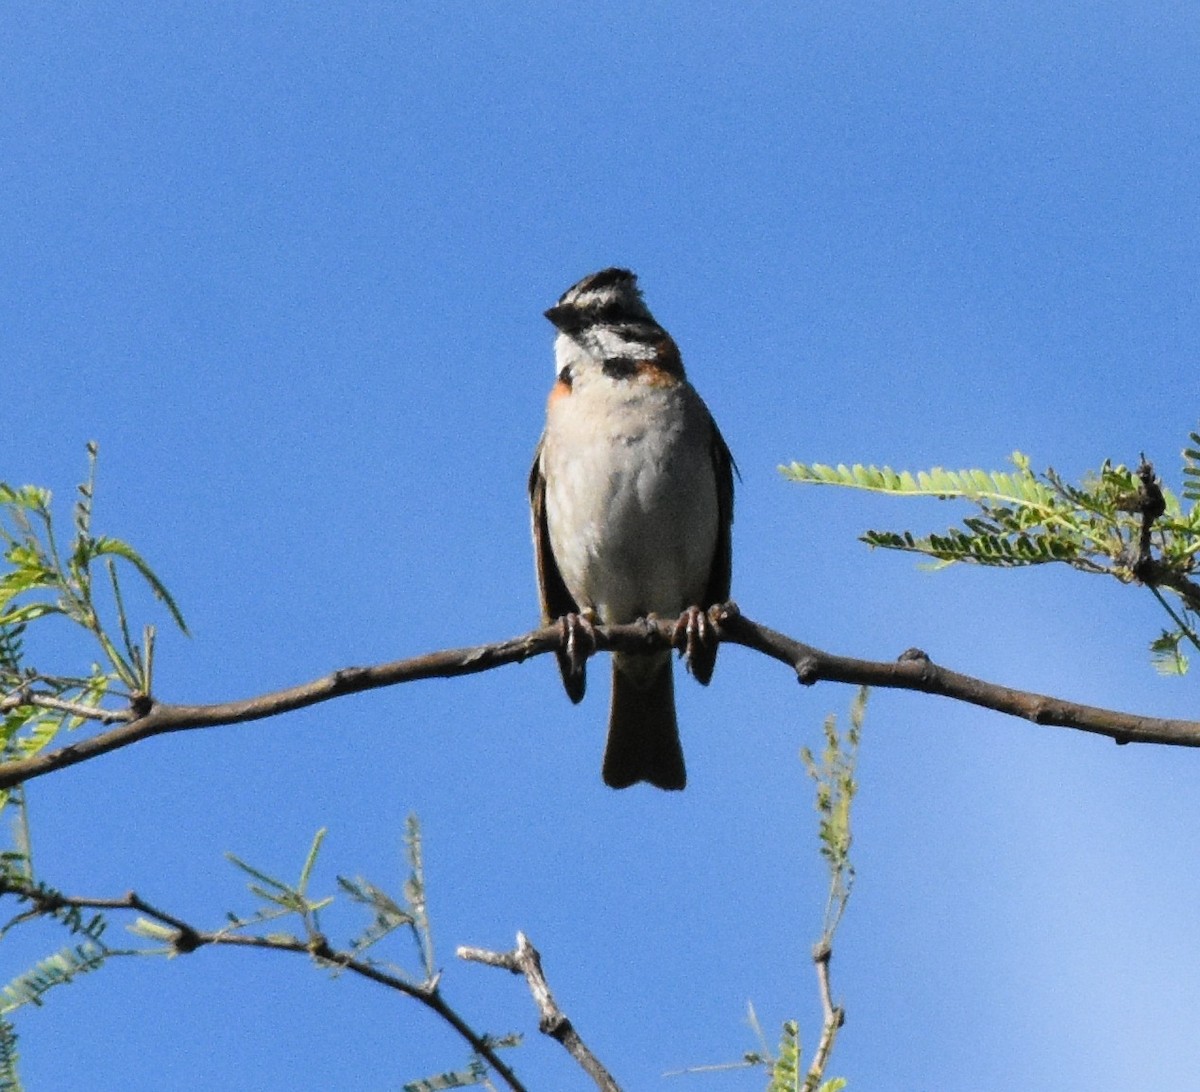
{"x":785,"y":1073}
{"x":1191,"y":468}
{"x":9,"y":1079}
{"x":101,"y":547}
{"x":474,"y":1074}
{"x":388,"y":914}
{"x":1021,"y":487}
{"x":1166,"y":655}
{"x":414,"y":893}
{"x":57,"y":970}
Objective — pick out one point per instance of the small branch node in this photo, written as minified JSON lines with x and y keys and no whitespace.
{"x":1042,"y":713}
{"x":140,"y":704}
{"x":808,"y":671}
{"x":318,"y":946}
{"x":187,"y":940}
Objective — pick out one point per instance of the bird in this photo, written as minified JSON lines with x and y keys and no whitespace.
{"x":631,"y":493}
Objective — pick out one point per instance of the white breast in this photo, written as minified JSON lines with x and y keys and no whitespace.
{"x":631,"y":495}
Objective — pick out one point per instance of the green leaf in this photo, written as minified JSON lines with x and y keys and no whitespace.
{"x":62,"y":967}
{"x":20,"y":616}
{"x":37,"y":733}
{"x":388,"y":914}
{"x":113,"y":546}
{"x":414,"y":892}
{"x":311,"y":860}
{"x":29,"y":497}
{"x":1166,"y":655}
{"x":785,"y":1073}
{"x":9,"y":1079}
{"x":475,"y":1074}
{"x":270,"y":881}
{"x":1191,"y":468}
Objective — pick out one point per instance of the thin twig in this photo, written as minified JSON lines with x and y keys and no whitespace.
{"x":913,"y":671}
{"x":1150,"y":505}
{"x":525,"y":960}
{"x":23,"y":695}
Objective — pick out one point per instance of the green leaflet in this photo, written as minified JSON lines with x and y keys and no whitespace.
{"x":114,"y":546}
{"x":1023,"y":487}
{"x":785,"y":1073}
{"x":1191,"y":468}
{"x":9,"y":1079}
{"x":1166,"y":655}
{"x":62,"y":967}
{"x":474,"y":1074}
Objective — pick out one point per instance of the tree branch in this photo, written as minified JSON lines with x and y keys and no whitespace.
{"x":26,"y":695}
{"x":912,"y":671}
{"x":187,"y":938}
{"x":525,"y":960}
{"x":834,"y":1018}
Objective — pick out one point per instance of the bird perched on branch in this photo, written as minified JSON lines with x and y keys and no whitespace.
{"x":632,"y":497}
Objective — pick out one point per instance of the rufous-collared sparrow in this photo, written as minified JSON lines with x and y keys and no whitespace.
{"x":632,"y":496}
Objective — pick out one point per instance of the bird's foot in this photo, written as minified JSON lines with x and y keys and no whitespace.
{"x":696,"y":634}
{"x":578,"y":640}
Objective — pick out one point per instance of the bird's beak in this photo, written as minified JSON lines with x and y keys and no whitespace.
{"x":563,"y":317}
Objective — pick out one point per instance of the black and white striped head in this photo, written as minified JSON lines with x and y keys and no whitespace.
{"x":608,"y":298}
{"x":604,"y":320}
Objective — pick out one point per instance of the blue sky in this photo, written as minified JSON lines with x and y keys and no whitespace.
{"x":287,"y":266}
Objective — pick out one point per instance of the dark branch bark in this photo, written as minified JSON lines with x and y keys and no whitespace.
{"x":912,"y":671}
{"x":1150,"y":504}
{"x":525,"y":960}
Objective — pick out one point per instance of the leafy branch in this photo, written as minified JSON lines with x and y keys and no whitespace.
{"x":1117,"y":521}
{"x":278,"y":901}
{"x":833,"y":774}
{"x":44,"y":580}
{"x":834,"y":777}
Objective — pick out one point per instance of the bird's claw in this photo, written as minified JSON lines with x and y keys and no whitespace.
{"x":696,"y":634}
{"x":579,"y":640}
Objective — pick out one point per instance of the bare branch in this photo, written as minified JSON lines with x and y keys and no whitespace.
{"x":912,"y":671}
{"x":24,"y":695}
{"x":525,"y":960}
{"x":835,"y":1017}
{"x":187,"y":938}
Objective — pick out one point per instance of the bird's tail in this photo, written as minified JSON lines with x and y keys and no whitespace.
{"x":643,"y":735}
